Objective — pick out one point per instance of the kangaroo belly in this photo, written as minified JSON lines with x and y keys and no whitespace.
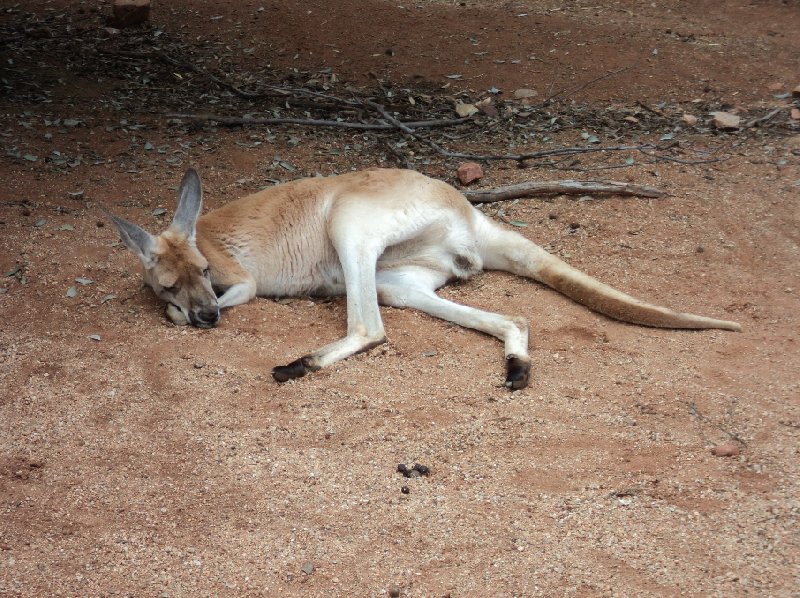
{"x":317,"y":273}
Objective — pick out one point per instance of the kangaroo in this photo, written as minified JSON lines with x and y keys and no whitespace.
{"x":379,"y":237}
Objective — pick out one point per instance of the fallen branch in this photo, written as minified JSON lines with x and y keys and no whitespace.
{"x":566,"y":187}
{"x":265,"y":92}
{"x":521,"y":158}
{"x":559,"y":151}
{"x":758,"y":121}
{"x":581,"y":87}
{"x":235,"y":121}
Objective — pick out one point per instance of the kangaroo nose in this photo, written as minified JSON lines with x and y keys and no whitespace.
{"x":205,"y":318}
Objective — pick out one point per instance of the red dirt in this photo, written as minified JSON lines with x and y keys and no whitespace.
{"x":164,"y":461}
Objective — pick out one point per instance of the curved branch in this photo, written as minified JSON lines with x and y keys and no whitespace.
{"x":567,"y":187}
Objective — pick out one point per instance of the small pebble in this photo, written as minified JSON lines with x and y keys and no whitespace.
{"x":307,"y":568}
{"x":405,"y":490}
{"x":727,"y":449}
{"x":689,"y":119}
{"x":469,"y":172}
{"x":394,"y":592}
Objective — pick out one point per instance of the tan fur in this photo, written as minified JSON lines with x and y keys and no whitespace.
{"x":388,"y":236}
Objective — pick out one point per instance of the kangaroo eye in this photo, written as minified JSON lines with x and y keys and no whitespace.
{"x":172,"y":290}
{"x":205,"y":272}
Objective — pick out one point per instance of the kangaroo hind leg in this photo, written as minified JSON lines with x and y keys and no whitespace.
{"x":414,"y":287}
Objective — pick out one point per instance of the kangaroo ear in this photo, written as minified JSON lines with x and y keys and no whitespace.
{"x":135,"y":238}
{"x":190,"y":200}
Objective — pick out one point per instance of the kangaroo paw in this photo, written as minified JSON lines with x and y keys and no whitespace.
{"x":517,"y":372}
{"x":176,"y":315}
{"x":297,"y":369}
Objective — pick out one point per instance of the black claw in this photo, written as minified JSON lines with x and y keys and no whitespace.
{"x":297,"y":369}
{"x":517,"y":372}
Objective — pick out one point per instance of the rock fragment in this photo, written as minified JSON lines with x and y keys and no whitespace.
{"x":689,"y":119}
{"x":465,"y":110}
{"x":128,"y":13}
{"x":726,"y":449}
{"x":469,"y":172}
{"x":725,"y":120}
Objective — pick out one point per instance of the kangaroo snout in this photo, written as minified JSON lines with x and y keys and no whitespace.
{"x":204,"y":318}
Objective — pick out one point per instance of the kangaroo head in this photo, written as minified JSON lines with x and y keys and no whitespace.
{"x":173,"y":266}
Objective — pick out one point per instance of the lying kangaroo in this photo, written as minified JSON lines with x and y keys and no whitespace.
{"x":388,"y":237}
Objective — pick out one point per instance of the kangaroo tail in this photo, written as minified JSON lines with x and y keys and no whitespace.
{"x":607,"y":300}
{"x":503,"y":249}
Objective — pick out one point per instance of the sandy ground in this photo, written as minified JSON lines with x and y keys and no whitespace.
{"x":142,"y":459}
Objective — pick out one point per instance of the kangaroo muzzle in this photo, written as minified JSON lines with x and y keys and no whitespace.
{"x":204,"y":318}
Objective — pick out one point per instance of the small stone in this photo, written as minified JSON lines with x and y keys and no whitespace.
{"x":130,"y":12}
{"x":405,"y":490}
{"x":725,"y":120}
{"x":469,"y":172}
{"x":776,"y":86}
{"x":726,"y":449}
{"x":465,"y":110}
{"x":689,"y":119}
{"x":394,"y":592}
{"x":524,"y":94}
{"x":307,"y":568}
{"x":199,"y":365}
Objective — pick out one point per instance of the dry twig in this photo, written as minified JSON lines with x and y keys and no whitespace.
{"x":566,"y":187}
{"x":235,"y":121}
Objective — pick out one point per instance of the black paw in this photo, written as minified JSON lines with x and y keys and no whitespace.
{"x":517,"y":372}
{"x":297,"y":369}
